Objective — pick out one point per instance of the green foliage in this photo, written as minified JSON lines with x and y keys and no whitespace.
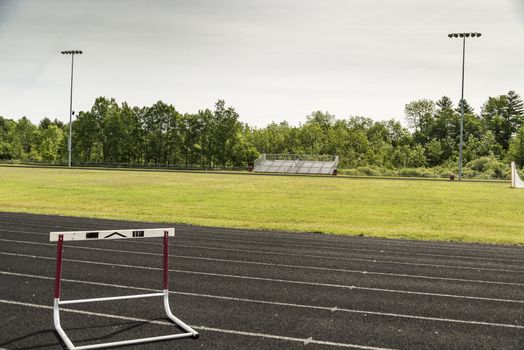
{"x":419,"y":114}
{"x":504,"y":115}
{"x":516,"y":148}
{"x":224,"y":134}
{"x":160,"y":135}
{"x":434,"y":152}
{"x":467,"y":108}
{"x":50,"y":142}
{"x":487,"y":167}
{"x":6,"y":138}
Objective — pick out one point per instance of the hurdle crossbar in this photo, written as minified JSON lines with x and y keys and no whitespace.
{"x":60,"y":237}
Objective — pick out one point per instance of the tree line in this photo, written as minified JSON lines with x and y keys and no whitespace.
{"x":160,"y":135}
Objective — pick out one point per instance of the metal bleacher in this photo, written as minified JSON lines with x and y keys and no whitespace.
{"x":296,"y":164}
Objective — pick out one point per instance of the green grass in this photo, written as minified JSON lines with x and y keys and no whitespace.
{"x":434,"y":210}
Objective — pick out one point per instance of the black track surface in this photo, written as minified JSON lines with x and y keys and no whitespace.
{"x":260,"y":290}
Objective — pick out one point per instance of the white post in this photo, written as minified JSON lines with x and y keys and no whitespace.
{"x":513,"y":171}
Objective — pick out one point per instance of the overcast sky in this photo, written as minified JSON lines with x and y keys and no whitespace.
{"x":272,"y":60}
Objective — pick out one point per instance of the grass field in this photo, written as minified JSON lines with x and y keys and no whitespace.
{"x":434,"y":210}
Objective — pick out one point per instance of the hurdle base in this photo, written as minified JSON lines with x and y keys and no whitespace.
{"x":190,"y":332}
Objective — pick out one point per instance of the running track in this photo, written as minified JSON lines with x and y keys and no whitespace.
{"x":260,"y":290}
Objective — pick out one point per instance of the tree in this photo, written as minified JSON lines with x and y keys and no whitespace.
{"x":206,"y":143}
{"x":444,"y":103}
{"x":51,"y":139}
{"x":113,"y":133}
{"x":7,"y":142}
{"x":488,"y":145}
{"x":397,"y":134}
{"x":446,"y":122}
{"x":406,"y":156}
{"x":225,"y":132}
{"x":274,"y":138}
{"x":434,"y":152}
{"x":88,"y":137}
{"x":467,"y":108}
{"x":515,"y":110}
{"x":516,"y":149}
{"x":503,"y":115}
{"x":161,"y":137}
{"x":312,"y":139}
{"x":418,"y":113}
{"x":322,"y":119}
{"x":132,"y":135}
{"x":24,"y":135}
{"x":245,"y":153}
{"x":159,"y":134}
{"x":417,"y":156}
{"x":356,"y":145}
{"x":191,"y":128}
{"x":45,"y":123}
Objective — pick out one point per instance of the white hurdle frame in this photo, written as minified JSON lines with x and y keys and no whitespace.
{"x":61,"y":236}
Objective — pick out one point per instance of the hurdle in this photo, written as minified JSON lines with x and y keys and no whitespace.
{"x":60,"y":237}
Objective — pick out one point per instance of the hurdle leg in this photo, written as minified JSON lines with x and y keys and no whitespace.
{"x":58,"y":284}
{"x":165,"y":287}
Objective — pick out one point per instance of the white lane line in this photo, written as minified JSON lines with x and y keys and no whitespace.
{"x":401,"y":275}
{"x":312,"y":267}
{"x":353,"y":240}
{"x":291,"y":266}
{"x":289,"y":235}
{"x":277,"y":280}
{"x":282,"y":235}
{"x":378,"y":251}
{"x":309,"y":340}
{"x":266,"y":302}
{"x":201,"y":328}
{"x":374,"y":261}
{"x":348,"y":249}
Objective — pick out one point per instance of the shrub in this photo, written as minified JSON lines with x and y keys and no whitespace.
{"x":417,"y":172}
{"x":487,"y":167}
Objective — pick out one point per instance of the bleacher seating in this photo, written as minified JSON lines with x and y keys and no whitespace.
{"x":278,"y":163}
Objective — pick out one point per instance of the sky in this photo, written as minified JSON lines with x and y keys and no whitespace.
{"x":272,"y":60}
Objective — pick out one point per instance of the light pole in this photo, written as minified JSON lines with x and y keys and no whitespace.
{"x":463,"y":36}
{"x":69,"y":144}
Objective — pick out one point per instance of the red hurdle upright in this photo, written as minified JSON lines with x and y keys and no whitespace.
{"x":60,"y":237}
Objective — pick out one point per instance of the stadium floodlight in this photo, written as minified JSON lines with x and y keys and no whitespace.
{"x":69,"y":144}
{"x":463,"y":36}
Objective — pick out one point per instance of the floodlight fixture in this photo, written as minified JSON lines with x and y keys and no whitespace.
{"x":72,"y":52}
{"x":463,"y":36}
{"x":69,"y":145}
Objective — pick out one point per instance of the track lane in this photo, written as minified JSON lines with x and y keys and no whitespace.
{"x":49,"y":221}
{"x":248,"y":280}
{"x":501,"y":273}
{"x":365,"y":280}
{"x":306,"y":324}
{"x":283,"y":291}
